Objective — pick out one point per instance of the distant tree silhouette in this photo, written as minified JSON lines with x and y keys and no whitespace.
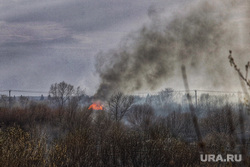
{"x":42,"y":98}
{"x":23,"y":101}
{"x":61,"y":93}
{"x":119,"y":105}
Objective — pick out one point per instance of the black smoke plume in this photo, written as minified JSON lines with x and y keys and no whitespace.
{"x":199,"y":37}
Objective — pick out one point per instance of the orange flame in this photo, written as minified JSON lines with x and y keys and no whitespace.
{"x":95,"y":106}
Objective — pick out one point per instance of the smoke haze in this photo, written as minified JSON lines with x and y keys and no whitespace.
{"x":198,"y":37}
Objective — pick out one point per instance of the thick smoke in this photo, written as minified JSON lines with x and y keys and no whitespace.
{"x":200,"y":38}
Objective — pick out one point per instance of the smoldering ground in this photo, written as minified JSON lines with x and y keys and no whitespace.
{"x":198,"y":37}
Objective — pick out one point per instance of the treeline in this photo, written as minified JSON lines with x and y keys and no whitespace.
{"x":125,"y":133}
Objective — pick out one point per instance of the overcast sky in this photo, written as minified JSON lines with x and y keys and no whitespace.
{"x":43,"y":42}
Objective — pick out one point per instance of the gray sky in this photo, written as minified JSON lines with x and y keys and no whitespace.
{"x":43,"y":42}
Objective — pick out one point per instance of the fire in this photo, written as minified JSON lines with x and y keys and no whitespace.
{"x":96,"y":106}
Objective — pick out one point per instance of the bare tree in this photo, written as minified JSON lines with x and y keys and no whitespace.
{"x":61,"y":93}
{"x":141,"y":116}
{"x":4,"y":100}
{"x":73,"y":102}
{"x":23,"y":101}
{"x":247,"y":66}
{"x":180,"y":124}
{"x":244,"y":81}
{"x":166,"y":95}
{"x":119,"y":105}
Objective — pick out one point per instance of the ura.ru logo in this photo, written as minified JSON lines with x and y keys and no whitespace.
{"x":220,"y":158}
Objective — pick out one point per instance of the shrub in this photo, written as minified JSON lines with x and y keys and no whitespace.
{"x":18,"y":148}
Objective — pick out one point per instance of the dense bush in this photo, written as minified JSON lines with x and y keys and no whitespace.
{"x":38,"y":135}
{"x":19,"y":148}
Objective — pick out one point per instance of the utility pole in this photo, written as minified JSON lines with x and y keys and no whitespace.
{"x":196,"y":98}
{"x":9,"y":99}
